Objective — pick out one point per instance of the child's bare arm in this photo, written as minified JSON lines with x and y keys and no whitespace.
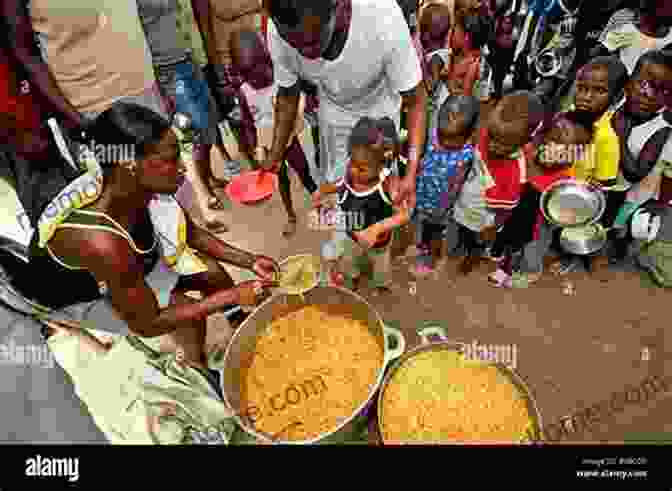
{"x":322,"y":191}
{"x":328,"y":188}
{"x":402,"y":213}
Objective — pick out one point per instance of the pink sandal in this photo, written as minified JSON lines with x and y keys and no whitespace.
{"x":500,"y":279}
{"x":422,"y":270}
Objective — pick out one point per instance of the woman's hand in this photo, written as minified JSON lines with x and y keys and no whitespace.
{"x":266,"y":268}
{"x":249,"y":293}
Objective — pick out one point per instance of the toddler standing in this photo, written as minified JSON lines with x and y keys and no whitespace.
{"x":365,"y":202}
{"x":439,"y":182}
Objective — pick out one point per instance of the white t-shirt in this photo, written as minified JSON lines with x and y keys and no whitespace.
{"x":261,"y":104}
{"x":631,"y":43}
{"x":378,"y":62}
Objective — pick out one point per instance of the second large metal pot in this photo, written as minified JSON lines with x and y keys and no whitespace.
{"x":445,"y":344}
{"x":245,"y":339}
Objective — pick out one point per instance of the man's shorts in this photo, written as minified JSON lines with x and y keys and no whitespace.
{"x":186,"y":90}
{"x":150,"y":98}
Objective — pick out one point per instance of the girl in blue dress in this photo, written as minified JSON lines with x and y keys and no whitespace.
{"x":440,"y":179}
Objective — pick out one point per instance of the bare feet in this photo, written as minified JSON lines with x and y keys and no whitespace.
{"x":381,"y":291}
{"x":217,"y":184}
{"x":290,"y":227}
{"x":599,"y":268}
{"x":216,"y":226}
{"x":468,"y":265}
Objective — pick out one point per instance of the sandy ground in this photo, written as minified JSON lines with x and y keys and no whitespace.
{"x":574,"y":351}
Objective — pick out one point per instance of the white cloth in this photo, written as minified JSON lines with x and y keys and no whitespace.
{"x":378,"y":62}
{"x":170,"y":225}
{"x":471,"y":209}
{"x":631,"y":43}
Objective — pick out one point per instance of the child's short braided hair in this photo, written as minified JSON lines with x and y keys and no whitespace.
{"x":521,"y":107}
{"x":468,"y":106}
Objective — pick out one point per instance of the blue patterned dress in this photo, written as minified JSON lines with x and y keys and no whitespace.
{"x":439,"y":183}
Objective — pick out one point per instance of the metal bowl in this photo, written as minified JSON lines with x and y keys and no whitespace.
{"x":536,"y":433}
{"x":574,"y":241}
{"x":587,"y":201}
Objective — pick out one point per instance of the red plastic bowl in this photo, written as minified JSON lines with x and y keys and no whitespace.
{"x":249,"y":187}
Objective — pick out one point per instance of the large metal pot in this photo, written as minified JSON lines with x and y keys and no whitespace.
{"x":445,"y":344}
{"x":245,"y":339}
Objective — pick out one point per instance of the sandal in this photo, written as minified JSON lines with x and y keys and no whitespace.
{"x":421,"y":270}
{"x":500,"y":279}
{"x":564,"y":266}
{"x":289,"y":228}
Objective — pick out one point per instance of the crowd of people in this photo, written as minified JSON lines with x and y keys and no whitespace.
{"x":444,"y":114}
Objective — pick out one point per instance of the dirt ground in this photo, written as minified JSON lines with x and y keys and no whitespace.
{"x":574,"y":351}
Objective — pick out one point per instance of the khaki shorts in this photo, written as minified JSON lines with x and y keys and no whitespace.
{"x":151,"y":98}
{"x":354,"y":260}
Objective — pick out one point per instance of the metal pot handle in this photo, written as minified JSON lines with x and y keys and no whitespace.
{"x":392,"y":354}
{"x":426,"y":332}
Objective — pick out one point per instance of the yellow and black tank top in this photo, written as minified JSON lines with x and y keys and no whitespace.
{"x":52,"y":282}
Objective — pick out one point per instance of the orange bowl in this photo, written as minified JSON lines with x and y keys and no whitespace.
{"x":252,"y":187}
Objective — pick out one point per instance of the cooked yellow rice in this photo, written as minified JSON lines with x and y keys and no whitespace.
{"x":338,"y":354}
{"x":442,"y":397}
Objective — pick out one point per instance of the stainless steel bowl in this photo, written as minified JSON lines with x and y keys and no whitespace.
{"x":572,"y":242}
{"x":586,"y":200}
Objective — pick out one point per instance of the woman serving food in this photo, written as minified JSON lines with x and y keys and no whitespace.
{"x":124,"y":265}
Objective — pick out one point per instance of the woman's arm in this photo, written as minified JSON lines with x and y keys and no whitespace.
{"x":205,"y":242}
{"x":110,"y":260}
{"x":15,"y":15}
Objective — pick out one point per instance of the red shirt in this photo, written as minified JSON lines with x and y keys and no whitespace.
{"x":508,"y":176}
{"x":16,"y":96}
